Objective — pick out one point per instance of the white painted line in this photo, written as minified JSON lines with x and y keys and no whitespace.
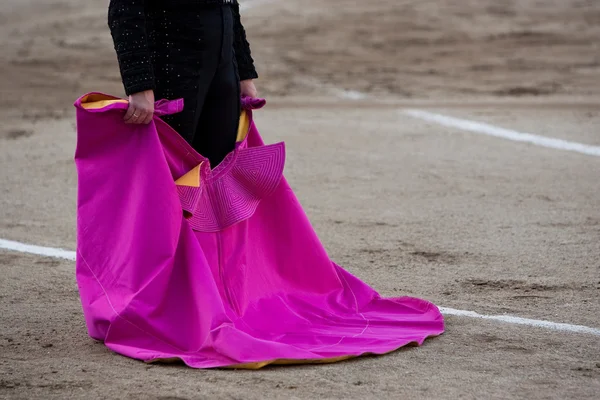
{"x":38,"y":250}
{"x":349,"y":94}
{"x":482,"y":128}
{"x":557,"y":326}
{"x":490,"y":130}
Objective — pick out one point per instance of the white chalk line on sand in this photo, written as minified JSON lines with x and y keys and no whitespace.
{"x":557,"y":326}
{"x":482,"y":128}
{"x":491,"y":130}
{"x":37,"y":250}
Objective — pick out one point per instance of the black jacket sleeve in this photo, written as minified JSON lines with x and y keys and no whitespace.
{"x":126,"y":20}
{"x":241,"y":46}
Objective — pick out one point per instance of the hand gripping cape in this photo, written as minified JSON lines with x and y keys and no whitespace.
{"x":214,"y":267}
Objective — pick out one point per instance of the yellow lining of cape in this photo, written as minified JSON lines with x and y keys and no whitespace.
{"x":243,"y":126}
{"x":191,"y":179}
{"x":97,"y":101}
{"x":262,"y":364}
{"x":291,"y":361}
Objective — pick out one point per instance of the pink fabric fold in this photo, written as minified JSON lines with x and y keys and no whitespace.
{"x":232,"y":193}
{"x":228,"y":273}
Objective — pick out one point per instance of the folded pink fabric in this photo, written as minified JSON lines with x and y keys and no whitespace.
{"x":217,"y":268}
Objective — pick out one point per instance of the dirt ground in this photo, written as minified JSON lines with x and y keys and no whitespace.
{"x":466,"y":221}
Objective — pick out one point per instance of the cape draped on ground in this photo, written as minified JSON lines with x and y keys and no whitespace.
{"x":217,"y":268}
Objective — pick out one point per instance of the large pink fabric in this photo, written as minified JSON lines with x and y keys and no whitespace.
{"x":229,"y":273}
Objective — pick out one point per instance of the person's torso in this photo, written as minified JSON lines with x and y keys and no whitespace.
{"x":184,"y":36}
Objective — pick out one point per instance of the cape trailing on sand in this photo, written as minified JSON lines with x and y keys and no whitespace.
{"x":217,"y":268}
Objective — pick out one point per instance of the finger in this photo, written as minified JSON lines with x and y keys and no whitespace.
{"x":148,"y":118}
{"x":145,"y":117}
{"x":251,"y":91}
{"x":129,"y":113}
{"x":139,"y":116}
{"x":133,"y":118}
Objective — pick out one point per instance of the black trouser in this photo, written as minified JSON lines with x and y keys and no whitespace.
{"x":199,"y":66}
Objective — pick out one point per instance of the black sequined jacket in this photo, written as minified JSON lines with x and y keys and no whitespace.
{"x":130,"y":22}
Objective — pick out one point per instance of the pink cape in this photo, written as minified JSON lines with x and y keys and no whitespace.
{"x":217,"y":268}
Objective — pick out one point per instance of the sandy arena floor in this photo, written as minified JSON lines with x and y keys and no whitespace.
{"x":467,"y":221}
